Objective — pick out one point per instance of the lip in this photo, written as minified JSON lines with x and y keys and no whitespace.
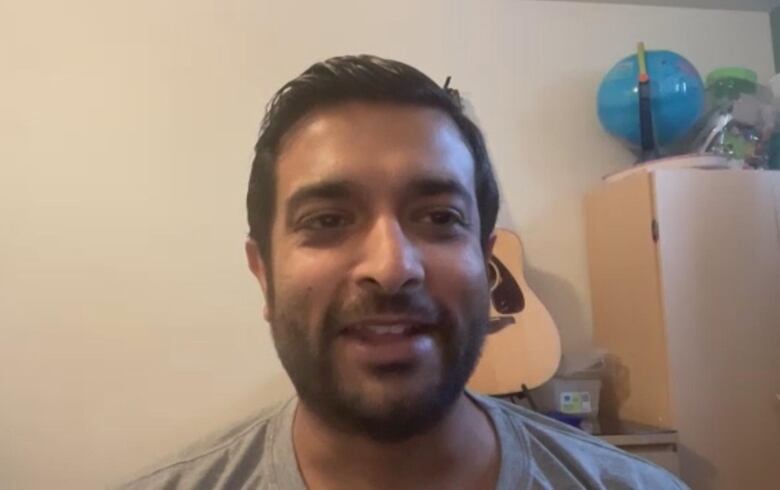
{"x":380,"y":321}
{"x":364,"y":345}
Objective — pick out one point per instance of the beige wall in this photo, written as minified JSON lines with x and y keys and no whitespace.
{"x":128,"y":323}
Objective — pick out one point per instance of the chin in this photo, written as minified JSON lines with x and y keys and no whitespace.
{"x":394,"y":410}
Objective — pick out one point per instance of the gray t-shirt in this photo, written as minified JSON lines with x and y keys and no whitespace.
{"x":536,"y":453}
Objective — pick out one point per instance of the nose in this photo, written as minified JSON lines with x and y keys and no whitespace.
{"x":390,"y":262}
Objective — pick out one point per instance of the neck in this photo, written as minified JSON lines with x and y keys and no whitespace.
{"x":462,"y":447}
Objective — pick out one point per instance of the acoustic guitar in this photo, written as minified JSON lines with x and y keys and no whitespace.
{"x":523,"y":346}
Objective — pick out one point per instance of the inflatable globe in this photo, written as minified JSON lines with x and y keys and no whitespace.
{"x":677,"y":98}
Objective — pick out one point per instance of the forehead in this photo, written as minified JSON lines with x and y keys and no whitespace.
{"x":381,"y":146}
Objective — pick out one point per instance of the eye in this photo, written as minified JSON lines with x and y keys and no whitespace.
{"x":444,"y":217}
{"x":325,"y":221}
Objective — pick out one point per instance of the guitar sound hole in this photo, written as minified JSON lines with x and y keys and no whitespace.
{"x":506,"y":295}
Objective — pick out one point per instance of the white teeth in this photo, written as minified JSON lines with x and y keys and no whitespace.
{"x":387,"y":329}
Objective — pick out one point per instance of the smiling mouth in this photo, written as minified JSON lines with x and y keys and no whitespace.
{"x":382,"y":332}
{"x":390,"y":344}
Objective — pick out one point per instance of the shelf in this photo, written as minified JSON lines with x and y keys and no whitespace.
{"x":740,"y":5}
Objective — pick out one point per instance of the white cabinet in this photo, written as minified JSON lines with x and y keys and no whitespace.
{"x":685,"y":283}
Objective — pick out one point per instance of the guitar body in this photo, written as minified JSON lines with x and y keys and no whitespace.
{"x":524,"y":347}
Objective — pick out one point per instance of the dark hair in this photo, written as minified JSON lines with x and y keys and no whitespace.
{"x":348,"y":78}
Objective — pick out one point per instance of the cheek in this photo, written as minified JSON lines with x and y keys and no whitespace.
{"x":305,"y":285}
{"x":460,"y":280}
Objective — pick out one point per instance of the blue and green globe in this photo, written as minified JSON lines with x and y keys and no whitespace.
{"x":677,"y":98}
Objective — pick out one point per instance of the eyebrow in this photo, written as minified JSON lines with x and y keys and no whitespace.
{"x":435,"y":186}
{"x":327,"y":190}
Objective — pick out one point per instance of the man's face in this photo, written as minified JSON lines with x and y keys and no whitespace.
{"x":380,"y":296}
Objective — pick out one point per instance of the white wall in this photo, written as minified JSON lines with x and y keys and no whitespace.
{"x":128,"y":323}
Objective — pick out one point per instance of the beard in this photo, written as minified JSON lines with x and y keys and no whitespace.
{"x":309,"y":357}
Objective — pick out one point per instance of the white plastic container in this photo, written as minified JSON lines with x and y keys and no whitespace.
{"x":572,"y":396}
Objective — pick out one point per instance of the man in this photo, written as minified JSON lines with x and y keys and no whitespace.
{"x":371,"y":209}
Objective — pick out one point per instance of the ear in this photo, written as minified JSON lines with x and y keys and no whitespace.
{"x":258,"y":268}
{"x":497,"y":323}
{"x":489,"y":247}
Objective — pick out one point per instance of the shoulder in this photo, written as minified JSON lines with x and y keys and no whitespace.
{"x":224,"y":460}
{"x":559,"y":451}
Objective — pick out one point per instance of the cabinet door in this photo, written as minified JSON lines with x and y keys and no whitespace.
{"x":719,"y":251}
{"x":626,"y":297}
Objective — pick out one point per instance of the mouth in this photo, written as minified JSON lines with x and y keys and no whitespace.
{"x":389,"y":341}
{"x":384,"y":331}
